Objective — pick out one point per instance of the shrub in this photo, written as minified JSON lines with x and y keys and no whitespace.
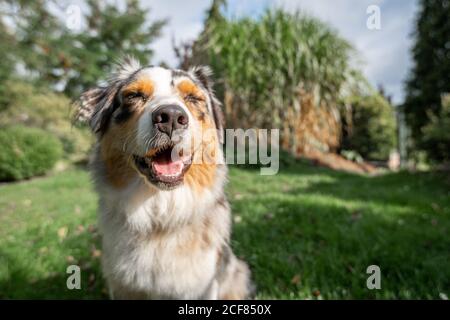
{"x":372,"y":131}
{"x":31,"y":106}
{"x":27,"y":152}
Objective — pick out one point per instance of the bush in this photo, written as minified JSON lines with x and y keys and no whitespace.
{"x":372,"y":131}
{"x":30,"y":106}
{"x":27,"y":152}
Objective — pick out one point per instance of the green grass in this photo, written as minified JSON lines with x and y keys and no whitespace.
{"x":306,"y":233}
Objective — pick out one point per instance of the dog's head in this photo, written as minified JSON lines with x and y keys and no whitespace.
{"x":157,"y":122}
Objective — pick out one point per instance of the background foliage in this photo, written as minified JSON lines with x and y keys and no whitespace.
{"x":74,"y":59}
{"x":30,"y":106}
{"x":430,"y":77}
{"x":287,"y":71}
{"x":436,"y":134}
{"x":373,"y":130}
{"x":27,"y":152}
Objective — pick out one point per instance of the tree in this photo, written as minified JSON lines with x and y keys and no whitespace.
{"x":437,"y":133}
{"x":7,"y":47}
{"x":110,"y":34}
{"x":196,"y":52}
{"x":430,"y":76}
{"x":55,"y":56}
{"x":41,"y":41}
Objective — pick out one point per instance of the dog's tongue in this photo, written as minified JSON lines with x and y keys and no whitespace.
{"x":168,"y":167}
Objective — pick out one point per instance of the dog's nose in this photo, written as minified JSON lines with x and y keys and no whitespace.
{"x":170,"y":117}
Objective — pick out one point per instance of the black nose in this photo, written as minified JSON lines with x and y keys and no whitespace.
{"x":170,"y":117}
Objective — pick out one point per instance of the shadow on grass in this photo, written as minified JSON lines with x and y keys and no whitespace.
{"x":26,"y":281}
{"x":426,"y":189}
{"x":304,"y":249}
{"x":403,"y":188}
{"x":299,"y":247}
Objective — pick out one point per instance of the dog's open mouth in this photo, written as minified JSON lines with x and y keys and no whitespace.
{"x":164,"y":166}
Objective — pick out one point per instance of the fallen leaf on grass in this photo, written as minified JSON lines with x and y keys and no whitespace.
{"x":296,"y":279}
{"x":62,"y":233}
{"x":238,"y":196}
{"x":80,"y":229}
{"x":91,"y":281}
{"x":356,"y":215}
{"x":96,"y":253}
{"x":237,"y":219}
{"x":269,"y":216}
{"x":43,"y":250}
{"x":436,"y":207}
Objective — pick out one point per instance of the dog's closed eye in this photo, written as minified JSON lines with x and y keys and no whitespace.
{"x":190,"y":97}
{"x":133,"y":96}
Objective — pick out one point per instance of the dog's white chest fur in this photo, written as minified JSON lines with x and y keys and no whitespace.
{"x":155,"y":265}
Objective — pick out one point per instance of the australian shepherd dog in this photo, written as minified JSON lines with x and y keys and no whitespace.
{"x":159,"y":171}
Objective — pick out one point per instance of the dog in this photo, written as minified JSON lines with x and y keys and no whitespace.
{"x":164,"y":218}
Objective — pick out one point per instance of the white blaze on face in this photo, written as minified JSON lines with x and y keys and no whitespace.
{"x":164,"y":93}
{"x":162,"y":79}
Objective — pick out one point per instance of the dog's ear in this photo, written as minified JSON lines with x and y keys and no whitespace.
{"x":95,"y":106}
{"x":218,"y":115}
{"x":203,"y":75}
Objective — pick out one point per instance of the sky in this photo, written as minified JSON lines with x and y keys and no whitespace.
{"x":383,"y":54}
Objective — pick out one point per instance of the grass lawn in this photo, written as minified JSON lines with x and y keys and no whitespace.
{"x":306,"y":233}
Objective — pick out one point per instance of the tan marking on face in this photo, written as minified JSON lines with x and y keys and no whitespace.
{"x":119,"y":165}
{"x":186,"y":88}
{"x":202,"y":172}
{"x":141,"y":85}
{"x":200,"y":176}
